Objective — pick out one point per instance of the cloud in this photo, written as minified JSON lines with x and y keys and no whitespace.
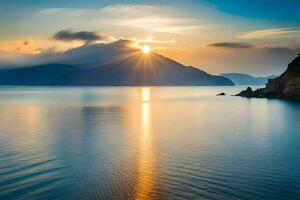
{"x":288,"y":49}
{"x":280,"y":50}
{"x":162,"y":19}
{"x":91,"y":54}
{"x":161,"y":24}
{"x":232,"y":45}
{"x":25,"y":43}
{"x":150,"y":40}
{"x":28,"y":46}
{"x":268,"y":33}
{"x":85,"y":36}
{"x":134,"y":9}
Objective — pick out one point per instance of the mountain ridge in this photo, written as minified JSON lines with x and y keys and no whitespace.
{"x":126,"y":67}
{"x":246,"y":79}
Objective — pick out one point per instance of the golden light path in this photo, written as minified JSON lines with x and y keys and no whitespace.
{"x":146,"y":158}
{"x":146,"y":94}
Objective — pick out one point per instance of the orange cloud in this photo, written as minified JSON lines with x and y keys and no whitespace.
{"x":33,"y":47}
{"x":28,"y":46}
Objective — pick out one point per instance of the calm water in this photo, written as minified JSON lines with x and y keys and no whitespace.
{"x":147,"y":143}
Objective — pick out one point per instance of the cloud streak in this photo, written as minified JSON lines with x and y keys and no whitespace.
{"x":291,"y":49}
{"x":84,"y":36}
{"x":162,"y":19}
{"x":232,"y":45}
{"x":270,"y":33}
{"x":281,"y":50}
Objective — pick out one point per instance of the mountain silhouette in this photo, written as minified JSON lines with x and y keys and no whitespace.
{"x":109,"y":65}
{"x":246,"y":79}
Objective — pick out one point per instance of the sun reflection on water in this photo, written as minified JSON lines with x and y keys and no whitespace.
{"x":146,"y":95}
{"x":146,"y":158}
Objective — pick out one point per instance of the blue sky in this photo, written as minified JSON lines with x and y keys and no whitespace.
{"x":268,"y":9}
{"x":287,"y":10}
{"x":204,"y":33}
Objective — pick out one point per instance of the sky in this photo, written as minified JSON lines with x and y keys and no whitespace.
{"x":248,"y":36}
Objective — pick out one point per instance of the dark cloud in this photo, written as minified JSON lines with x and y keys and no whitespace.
{"x":283,"y":50}
{"x":85,"y":36}
{"x":291,"y":50}
{"x":232,"y":45}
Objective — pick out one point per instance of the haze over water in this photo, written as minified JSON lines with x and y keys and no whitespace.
{"x":146,"y":143}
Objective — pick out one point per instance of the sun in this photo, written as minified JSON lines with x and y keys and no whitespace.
{"x":146,"y":49}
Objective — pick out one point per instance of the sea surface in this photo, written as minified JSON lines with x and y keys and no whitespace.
{"x":147,"y":143}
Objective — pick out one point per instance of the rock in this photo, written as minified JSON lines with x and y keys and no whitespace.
{"x":221,"y":94}
{"x":246,"y":93}
{"x":259,"y":93}
{"x":286,"y":86}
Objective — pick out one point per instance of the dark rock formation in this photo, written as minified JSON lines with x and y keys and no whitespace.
{"x":286,"y":86}
{"x":221,"y":94}
{"x":246,"y":93}
{"x":259,"y":93}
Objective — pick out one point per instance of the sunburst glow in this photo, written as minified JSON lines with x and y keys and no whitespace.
{"x":146,"y":49}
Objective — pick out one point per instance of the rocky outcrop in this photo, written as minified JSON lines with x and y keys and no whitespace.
{"x":259,"y":93}
{"x":286,"y":86}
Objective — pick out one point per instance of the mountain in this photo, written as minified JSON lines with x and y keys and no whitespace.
{"x":245,"y":79}
{"x":286,"y":86}
{"x":113,"y":64}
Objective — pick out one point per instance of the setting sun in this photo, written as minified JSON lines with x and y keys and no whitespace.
{"x":146,"y":49}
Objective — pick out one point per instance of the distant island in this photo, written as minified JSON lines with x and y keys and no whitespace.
{"x":113,"y":64}
{"x":245,"y":79}
{"x":286,"y":86}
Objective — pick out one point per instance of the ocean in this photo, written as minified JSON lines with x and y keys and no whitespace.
{"x":147,"y":143}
